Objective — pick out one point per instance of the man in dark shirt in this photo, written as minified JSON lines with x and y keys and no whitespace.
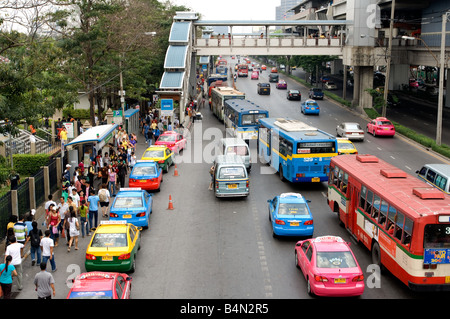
{"x":14,"y":180}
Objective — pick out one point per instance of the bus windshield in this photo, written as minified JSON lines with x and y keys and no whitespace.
{"x":436,"y":236}
{"x":316,"y":147}
{"x":252,"y":119}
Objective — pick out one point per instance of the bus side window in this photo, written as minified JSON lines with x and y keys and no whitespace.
{"x":399,"y":226}
{"x":362,"y":199}
{"x":335,"y":175}
{"x":383,"y":213}
{"x":344,"y":183}
{"x":340,"y":177}
{"x":392,"y":215}
{"x":369,"y":202}
{"x":423,"y":171}
{"x":330,"y":177}
{"x":407,"y":232}
{"x":376,"y":207}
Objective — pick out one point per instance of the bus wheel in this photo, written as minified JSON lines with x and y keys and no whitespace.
{"x":281,"y":174}
{"x":376,"y":254}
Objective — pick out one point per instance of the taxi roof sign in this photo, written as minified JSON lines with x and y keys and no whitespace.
{"x":329,"y":239}
{"x":113,"y":222}
{"x":130,"y":189}
{"x":291,"y":195}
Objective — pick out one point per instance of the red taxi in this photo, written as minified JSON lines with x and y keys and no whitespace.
{"x":274,"y":70}
{"x":101,"y":285}
{"x":329,"y":267}
{"x":381,"y":126}
{"x":173,"y":140}
{"x":255,"y":75}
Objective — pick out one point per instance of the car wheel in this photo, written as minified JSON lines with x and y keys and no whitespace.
{"x":296,"y":260}
{"x":133,"y":265}
{"x":308,"y":287}
{"x":376,"y":254}
{"x":281,"y":174}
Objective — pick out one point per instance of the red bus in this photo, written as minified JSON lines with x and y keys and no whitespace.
{"x":403,"y":221}
{"x":242,"y":70}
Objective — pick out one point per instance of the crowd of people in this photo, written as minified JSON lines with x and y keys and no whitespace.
{"x":85,"y":193}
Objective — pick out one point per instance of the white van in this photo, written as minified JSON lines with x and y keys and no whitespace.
{"x":437,"y":175}
{"x":230,"y":176}
{"x":232,"y":145}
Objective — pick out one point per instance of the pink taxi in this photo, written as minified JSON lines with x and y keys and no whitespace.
{"x":173,"y":140}
{"x":381,"y":126}
{"x":329,"y":267}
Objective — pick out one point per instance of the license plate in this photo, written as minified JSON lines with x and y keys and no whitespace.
{"x":386,"y":128}
{"x":294,"y":223}
{"x":143,"y":181}
{"x":107,"y":258}
{"x":312,"y":108}
{"x":339,"y":280}
{"x":315,"y":179}
{"x":126,"y":216}
{"x":232,"y":186}
{"x":447,"y":279}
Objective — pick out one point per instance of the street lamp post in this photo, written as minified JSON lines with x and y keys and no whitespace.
{"x":441,"y":80}
{"x":388,"y":62}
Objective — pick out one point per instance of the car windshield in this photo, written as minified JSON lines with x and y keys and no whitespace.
{"x":335,"y":259}
{"x":103,"y":294}
{"x":264,"y":84}
{"x":167,"y":138}
{"x":232,"y":172}
{"x":384,"y":123}
{"x":330,"y":83}
{"x":293,"y":92}
{"x":109,"y":240}
{"x":352,"y":126}
{"x":144,"y":170}
{"x":153,"y":154}
{"x":128,"y":202}
{"x":311,"y":103}
{"x":293,"y":209}
{"x":317,"y":90}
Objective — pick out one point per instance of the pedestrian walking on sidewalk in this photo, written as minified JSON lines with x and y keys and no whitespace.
{"x":74,"y":231}
{"x":34,"y":237}
{"x":7,"y":272}
{"x":15,"y":250}
{"x":45,"y":283}
{"x":47,"y":246}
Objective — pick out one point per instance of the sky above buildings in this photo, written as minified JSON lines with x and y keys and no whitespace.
{"x":232,"y":9}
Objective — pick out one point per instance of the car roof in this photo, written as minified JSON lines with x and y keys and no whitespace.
{"x":95,"y":281}
{"x":291,"y":198}
{"x":145,"y":163}
{"x":155,"y":147}
{"x":169,"y":133}
{"x":112,"y":227}
{"x":134,"y":192}
{"x":330,"y":243}
{"x":343,"y":140}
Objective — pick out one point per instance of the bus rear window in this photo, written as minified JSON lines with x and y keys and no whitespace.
{"x":436,"y":236}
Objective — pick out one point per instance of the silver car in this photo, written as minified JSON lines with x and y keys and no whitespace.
{"x":350,"y":130}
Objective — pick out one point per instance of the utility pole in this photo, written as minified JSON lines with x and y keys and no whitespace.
{"x":388,"y":61}
{"x":441,"y":80}
{"x":122,"y":95}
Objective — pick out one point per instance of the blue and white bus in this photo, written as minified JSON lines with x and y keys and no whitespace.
{"x":241,"y":118}
{"x":298,"y":151}
{"x":218,"y":97}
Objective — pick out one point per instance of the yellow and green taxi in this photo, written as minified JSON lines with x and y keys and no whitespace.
{"x":345,"y":146}
{"x":113,"y":247}
{"x":161,"y":154}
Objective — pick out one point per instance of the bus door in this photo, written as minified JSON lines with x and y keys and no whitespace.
{"x":352,"y":205}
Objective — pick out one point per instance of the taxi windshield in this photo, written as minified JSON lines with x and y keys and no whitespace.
{"x":384,"y":123}
{"x":293,"y":209}
{"x":144,"y":170}
{"x":153,"y":154}
{"x":232,"y":172}
{"x":167,"y":138}
{"x":128,"y":202}
{"x":335,"y":259}
{"x":109,"y":240}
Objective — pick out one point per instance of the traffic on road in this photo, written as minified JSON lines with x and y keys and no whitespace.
{"x":305,"y":221}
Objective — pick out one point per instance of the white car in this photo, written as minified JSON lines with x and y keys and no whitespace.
{"x":350,"y":130}
{"x":330,"y":85}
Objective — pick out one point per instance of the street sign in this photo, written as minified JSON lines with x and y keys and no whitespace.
{"x":117,"y":117}
{"x":167,"y":107}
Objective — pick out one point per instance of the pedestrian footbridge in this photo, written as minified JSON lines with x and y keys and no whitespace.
{"x":190,"y":37}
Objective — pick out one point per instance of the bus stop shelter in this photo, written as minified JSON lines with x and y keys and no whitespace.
{"x":89,"y":144}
